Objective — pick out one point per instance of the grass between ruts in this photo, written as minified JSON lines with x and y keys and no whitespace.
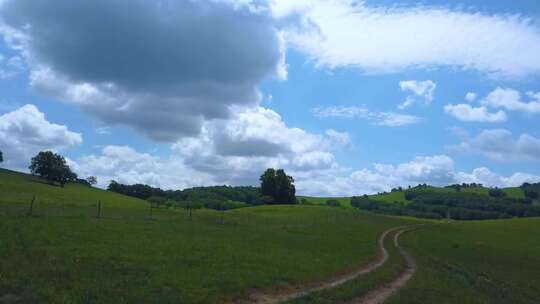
{"x":474,"y":262}
{"x":362,"y":284}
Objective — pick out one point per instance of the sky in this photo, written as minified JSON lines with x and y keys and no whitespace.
{"x":349,"y":97}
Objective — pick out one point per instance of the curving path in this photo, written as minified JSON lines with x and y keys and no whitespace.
{"x":382,"y":257}
{"x":383,"y":292}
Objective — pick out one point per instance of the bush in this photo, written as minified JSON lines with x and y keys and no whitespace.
{"x":333,"y":203}
{"x":410,"y":195}
{"x":496,"y":192}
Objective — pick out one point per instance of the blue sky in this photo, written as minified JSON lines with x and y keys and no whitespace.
{"x":349,"y":97}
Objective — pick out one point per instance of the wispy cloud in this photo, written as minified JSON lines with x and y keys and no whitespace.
{"x":387,"y":119}
{"x":339,"y":33}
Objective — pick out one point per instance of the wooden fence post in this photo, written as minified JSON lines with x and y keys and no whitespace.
{"x":31,"y":210}
{"x":99,"y":209}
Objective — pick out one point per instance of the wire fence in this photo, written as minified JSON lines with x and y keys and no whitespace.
{"x":46,"y":208}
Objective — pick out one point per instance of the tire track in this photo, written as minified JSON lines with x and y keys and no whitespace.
{"x":383,"y":292}
{"x":298,"y":292}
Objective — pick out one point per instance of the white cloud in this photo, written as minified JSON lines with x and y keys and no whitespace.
{"x":498,"y":144}
{"x":341,"y":33}
{"x":125,"y":165}
{"x":25,"y":131}
{"x":512,"y":100}
{"x":470,"y":97}
{"x":338,"y":138}
{"x":388,"y":119}
{"x":466,"y":112}
{"x":232,"y":152}
{"x":11,"y":67}
{"x":486,"y":177}
{"x":435,"y":170}
{"x":103,"y":130}
{"x":237,"y":150}
{"x":340,"y":112}
{"x":146,"y":70}
{"x":391,"y":119}
{"x":422,"y":92}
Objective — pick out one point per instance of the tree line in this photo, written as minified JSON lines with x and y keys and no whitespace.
{"x":457,"y":205}
{"x":276,"y":187}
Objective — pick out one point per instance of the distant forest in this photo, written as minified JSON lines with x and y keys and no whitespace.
{"x":245,"y":194}
{"x":276,"y":188}
{"x":427,"y":203}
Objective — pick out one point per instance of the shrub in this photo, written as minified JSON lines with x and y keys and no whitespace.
{"x":496,"y":192}
{"x":333,"y":203}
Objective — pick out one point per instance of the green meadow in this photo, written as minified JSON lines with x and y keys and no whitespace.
{"x":475,"y":262}
{"x":64,"y":253}
{"x":214,"y":257}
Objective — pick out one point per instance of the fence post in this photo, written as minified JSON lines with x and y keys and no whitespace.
{"x":31,"y":210}
{"x":99,"y":209}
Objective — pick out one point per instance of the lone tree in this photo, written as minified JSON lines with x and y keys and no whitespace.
{"x":1,"y":157}
{"x":279,"y":186}
{"x":92,"y":180}
{"x":52,"y":167}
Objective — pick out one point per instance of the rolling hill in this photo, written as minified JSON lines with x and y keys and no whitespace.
{"x":64,"y":253}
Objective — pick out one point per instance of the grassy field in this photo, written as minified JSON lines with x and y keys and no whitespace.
{"x":475,"y":262}
{"x":55,"y":259}
{"x":361,"y":285}
{"x":214,"y":257}
{"x":64,"y":254}
{"x":20,"y":188}
{"x":345,"y":201}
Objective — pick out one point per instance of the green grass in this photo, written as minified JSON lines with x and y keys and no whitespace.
{"x":20,"y":188}
{"x":475,"y":262}
{"x":345,"y":201}
{"x":73,"y":257}
{"x":361,"y":285}
{"x":64,"y":254}
{"x":56,"y":259}
{"x":390,"y":197}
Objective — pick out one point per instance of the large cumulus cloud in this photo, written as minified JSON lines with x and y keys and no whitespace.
{"x":161,"y":67}
{"x":25,"y":131}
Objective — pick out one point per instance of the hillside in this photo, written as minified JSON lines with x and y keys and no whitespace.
{"x":65,"y":253}
{"x":19,"y":189}
{"x":399,"y":197}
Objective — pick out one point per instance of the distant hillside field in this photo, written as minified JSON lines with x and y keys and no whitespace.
{"x":399,"y":196}
{"x":344,"y":201}
{"x":20,"y":188}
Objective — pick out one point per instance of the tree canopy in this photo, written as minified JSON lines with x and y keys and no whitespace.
{"x":279,"y":186}
{"x":92,"y":180}
{"x":1,"y":157}
{"x":52,"y":167}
